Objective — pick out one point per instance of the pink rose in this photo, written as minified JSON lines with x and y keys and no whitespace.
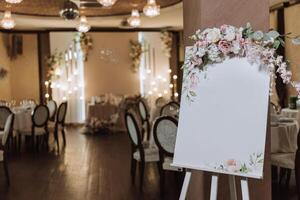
{"x":194,"y":80}
{"x":202,"y":43}
{"x":231,"y":162}
{"x":197,"y":61}
{"x":224,"y":46}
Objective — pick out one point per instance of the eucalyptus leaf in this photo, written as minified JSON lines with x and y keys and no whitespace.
{"x":296,"y":41}
{"x":258,"y":35}
{"x":276,"y":44}
{"x":192,"y":93}
{"x":273,"y":34}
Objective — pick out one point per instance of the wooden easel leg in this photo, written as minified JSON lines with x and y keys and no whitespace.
{"x":214,"y":187}
{"x":245,"y":189}
{"x":185,"y":185}
{"x":232,"y":187}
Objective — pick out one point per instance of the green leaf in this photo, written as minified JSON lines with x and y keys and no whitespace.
{"x":273,"y":34}
{"x":276,"y":44}
{"x":282,"y":43}
{"x":192,"y":93}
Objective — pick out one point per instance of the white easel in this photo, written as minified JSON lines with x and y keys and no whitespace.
{"x":214,"y":187}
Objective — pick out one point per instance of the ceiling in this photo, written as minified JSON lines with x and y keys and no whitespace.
{"x":92,"y":8}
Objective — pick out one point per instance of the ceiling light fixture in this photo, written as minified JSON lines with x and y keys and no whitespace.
{"x":83,"y":25}
{"x":8,"y":22}
{"x":69,"y":11}
{"x":151,"y":9}
{"x":107,"y":3}
{"x":134,"y":20}
{"x":13,"y":1}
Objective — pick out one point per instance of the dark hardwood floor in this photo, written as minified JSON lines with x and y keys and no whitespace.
{"x":91,"y":167}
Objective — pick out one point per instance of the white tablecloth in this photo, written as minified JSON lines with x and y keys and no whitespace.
{"x":22,"y":119}
{"x":284,"y":137}
{"x":291,"y":113}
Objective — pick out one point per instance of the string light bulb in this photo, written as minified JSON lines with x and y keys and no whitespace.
{"x":134,"y":20}
{"x":151,"y":9}
{"x":83,"y":25}
{"x":7,"y":21}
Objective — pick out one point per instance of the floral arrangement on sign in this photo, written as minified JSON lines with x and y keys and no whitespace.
{"x":86,"y":43}
{"x":214,"y":45}
{"x":95,"y":125}
{"x":166,"y":42}
{"x":53,"y":61}
{"x":3,"y":73}
{"x":136,"y":50}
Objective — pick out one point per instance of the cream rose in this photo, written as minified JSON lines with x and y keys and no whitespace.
{"x":213,"y":35}
{"x":229,"y":33}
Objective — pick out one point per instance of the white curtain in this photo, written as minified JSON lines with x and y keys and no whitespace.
{"x":68,"y":84}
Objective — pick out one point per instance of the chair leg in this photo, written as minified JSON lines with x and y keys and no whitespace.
{"x":142,"y":169}
{"x":133,"y":170}
{"x":161,"y":178}
{"x":6,"y":168}
{"x":148,"y":130}
{"x":56,"y":139}
{"x":64,"y":136}
{"x":19,"y":142}
{"x":288,"y":177}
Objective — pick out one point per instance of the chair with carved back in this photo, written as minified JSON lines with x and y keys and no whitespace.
{"x":5,"y":135}
{"x":139,"y":153}
{"x":60,"y":123}
{"x":165,"y":132}
{"x":145,"y":117}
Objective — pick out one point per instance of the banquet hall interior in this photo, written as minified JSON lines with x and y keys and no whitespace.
{"x":90,"y":94}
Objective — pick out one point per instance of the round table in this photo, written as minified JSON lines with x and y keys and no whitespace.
{"x":291,"y":113}
{"x":22,"y":120}
{"x":284,"y":137}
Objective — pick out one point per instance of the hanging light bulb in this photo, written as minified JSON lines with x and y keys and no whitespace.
{"x":151,"y":9}
{"x":107,"y":3}
{"x":134,"y":20}
{"x":7,"y":22}
{"x":13,"y":1}
{"x":83,"y":25}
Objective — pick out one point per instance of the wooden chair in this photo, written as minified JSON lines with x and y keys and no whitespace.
{"x":139,"y":153}
{"x":164,"y":132}
{"x":144,"y":115}
{"x":297,"y":166}
{"x":60,"y":123}
{"x":52,"y":106}
{"x":4,"y":113}
{"x":39,"y":126}
{"x":170,"y":109}
{"x":3,"y":145}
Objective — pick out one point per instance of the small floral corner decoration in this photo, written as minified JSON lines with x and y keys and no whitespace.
{"x":166,"y":42}
{"x":214,"y":45}
{"x":254,"y":164}
{"x":3,"y":73}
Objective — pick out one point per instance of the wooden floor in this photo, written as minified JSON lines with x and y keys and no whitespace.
{"x":91,"y":167}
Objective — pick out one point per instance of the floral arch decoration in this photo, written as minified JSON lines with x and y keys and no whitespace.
{"x":214,"y":45}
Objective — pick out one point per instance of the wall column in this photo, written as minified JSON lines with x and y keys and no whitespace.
{"x":201,"y":14}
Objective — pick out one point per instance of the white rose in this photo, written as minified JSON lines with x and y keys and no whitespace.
{"x":236,"y":47}
{"x":229,"y":33}
{"x":213,"y":35}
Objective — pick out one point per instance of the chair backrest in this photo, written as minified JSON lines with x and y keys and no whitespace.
{"x":132,"y":129}
{"x":8,"y":128}
{"x":52,"y":106}
{"x":4,"y":113}
{"x":164,"y":132}
{"x":143,"y":111}
{"x":40,"y":116}
{"x":61,"y":113}
{"x":170,"y":109}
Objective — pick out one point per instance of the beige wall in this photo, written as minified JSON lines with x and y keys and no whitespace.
{"x":5,"y":85}
{"x":23,"y":75}
{"x":103,"y":76}
{"x":25,"y":71}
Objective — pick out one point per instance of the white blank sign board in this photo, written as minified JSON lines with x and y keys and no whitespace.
{"x":224,"y":129}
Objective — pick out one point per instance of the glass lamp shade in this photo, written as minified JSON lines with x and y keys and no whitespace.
{"x":134,"y":20}
{"x":13,"y":1}
{"x":151,"y":9}
{"x":8,"y":22}
{"x":107,"y":3}
{"x":83,"y":25}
